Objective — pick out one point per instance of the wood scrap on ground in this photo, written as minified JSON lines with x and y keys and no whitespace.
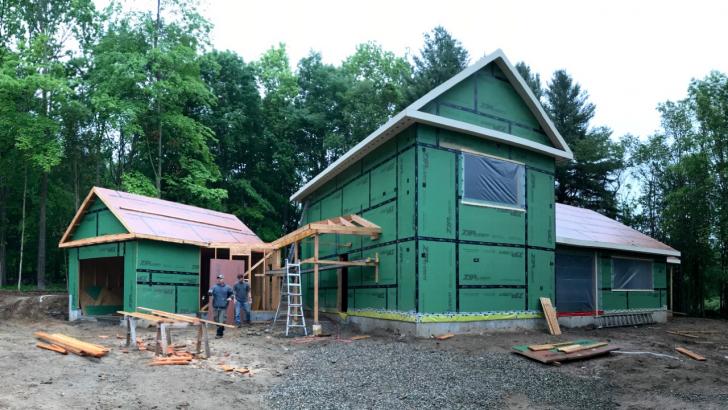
{"x":227,"y":368}
{"x":73,"y":345}
{"x":360,"y":337}
{"x":577,"y":347}
{"x":549,"y":346}
{"x":586,"y":349}
{"x":52,"y":347}
{"x":690,"y":354}
{"x":550,"y":314}
{"x":692,"y":336}
{"x":445,"y":336}
{"x":170,"y":361}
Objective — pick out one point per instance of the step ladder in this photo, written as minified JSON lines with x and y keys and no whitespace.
{"x":627,"y":319}
{"x":292,"y":298}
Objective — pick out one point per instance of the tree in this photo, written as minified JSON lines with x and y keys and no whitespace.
{"x":591,"y":179}
{"x":533,"y":79}
{"x":441,"y":57}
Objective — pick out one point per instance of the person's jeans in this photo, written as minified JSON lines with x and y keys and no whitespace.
{"x":245,"y":306}
{"x":220,"y":317}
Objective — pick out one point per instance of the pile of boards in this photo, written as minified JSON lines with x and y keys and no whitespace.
{"x":176,"y":358}
{"x":63,"y":344}
{"x":556,"y":353}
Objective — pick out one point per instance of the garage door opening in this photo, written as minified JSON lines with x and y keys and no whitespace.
{"x":101,"y":285}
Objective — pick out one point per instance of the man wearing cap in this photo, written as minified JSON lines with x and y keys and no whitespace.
{"x":221,"y":294}
{"x":242,"y":299}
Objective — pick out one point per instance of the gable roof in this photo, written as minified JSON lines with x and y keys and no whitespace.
{"x":153,"y":218}
{"x":586,"y":228}
{"x":413,"y":114}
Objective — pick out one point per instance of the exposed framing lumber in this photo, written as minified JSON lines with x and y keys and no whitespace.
{"x":182,"y":318}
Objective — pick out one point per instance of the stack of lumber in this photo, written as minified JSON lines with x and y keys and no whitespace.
{"x":62,"y":344}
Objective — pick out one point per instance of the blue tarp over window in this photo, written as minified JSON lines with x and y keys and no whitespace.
{"x":492,"y":180}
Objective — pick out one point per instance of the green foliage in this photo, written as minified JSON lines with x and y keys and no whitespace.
{"x":138,"y":183}
{"x":441,"y":57}
{"x":533,"y":79}
{"x":591,"y":179}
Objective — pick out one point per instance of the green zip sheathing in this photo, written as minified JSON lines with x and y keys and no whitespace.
{"x":438,"y":256}
{"x":623,"y":301}
{"x":97,"y":221}
{"x":158,"y":275}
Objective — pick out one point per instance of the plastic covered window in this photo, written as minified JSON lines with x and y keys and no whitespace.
{"x":631,"y":274}
{"x":492,"y":181}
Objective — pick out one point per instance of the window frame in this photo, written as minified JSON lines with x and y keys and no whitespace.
{"x":488,"y":204}
{"x":652,"y":274}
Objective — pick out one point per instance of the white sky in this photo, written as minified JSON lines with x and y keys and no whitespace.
{"x":629,"y":55}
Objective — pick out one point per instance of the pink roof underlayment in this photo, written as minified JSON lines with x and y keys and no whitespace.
{"x":586,"y":228}
{"x":154,"y":218}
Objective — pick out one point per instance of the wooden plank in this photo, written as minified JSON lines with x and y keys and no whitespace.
{"x":690,"y":354}
{"x":52,"y":347}
{"x":576,"y":348}
{"x":683,"y":334}
{"x":73,"y":345}
{"x":550,"y":314}
{"x":183,"y":318}
{"x":549,"y":346}
{"x":144,"y":316}
{"x":445,"y":336}
{"x":98,"y":239}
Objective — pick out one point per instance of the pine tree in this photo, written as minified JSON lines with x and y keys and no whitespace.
{"x":591,"y":179}
{"x":440,"y":58}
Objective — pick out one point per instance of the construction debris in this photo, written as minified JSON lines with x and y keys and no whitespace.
{"x":577,"y":347}
{"x":550,"y":346}
{"x":360,"y":337}
{"x":72,"y":345}
{"x":445,"y":336}
{"x":166,"y":361}
{"x":227,"y":368}
{"x":580,"y":349}
{"x":550,"y":315}
{"x":53,"y":348}
{"x":680,"y":333}
{"x":690,"y":354}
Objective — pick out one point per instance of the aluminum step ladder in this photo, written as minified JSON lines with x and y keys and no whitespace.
{"x":292,"y":298}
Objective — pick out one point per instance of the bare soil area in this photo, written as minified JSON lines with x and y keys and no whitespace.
{"x":337,"y":372}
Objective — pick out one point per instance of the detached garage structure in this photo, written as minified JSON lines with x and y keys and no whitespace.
{"x":461,"y":183}
{"x":127,"y":250}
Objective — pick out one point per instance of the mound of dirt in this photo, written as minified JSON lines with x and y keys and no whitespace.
{"x":34,"y":307}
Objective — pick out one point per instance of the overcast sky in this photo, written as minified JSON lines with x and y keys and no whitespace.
{"x":629,"y":55}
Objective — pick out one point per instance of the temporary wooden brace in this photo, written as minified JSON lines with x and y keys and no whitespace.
{"x":316,"y":325}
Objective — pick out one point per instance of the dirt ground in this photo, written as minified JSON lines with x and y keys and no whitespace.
{"x":39,"y":379}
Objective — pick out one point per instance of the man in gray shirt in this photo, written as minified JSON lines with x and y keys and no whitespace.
{"x":242,"y":299}
{"x":222,"y":294}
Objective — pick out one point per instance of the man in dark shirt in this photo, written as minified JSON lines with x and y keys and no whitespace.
{"x":242,"y":299}
{"x":221,"y":294}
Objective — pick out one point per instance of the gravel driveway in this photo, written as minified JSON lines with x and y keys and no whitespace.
{"x":386,"y":374}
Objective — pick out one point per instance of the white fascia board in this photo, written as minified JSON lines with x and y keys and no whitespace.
{"x":673,"y":260}
{"x":365,"y":146}
{"x":487,"y":133}
{"x":614,"y":246}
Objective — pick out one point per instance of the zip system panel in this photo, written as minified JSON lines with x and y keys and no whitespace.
{"x":437,"y":254}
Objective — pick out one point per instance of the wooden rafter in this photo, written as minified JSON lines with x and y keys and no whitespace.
{"x":343,"y":225}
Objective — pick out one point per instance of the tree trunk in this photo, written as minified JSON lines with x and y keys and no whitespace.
{"x":41,"y":265}
{"x":76,"y":188}
{"x":22,"y":228}
{"x":3,"y":237}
